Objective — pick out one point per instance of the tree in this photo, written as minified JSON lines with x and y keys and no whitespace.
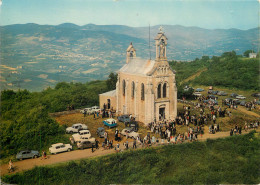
{"x":205,"y":58}
{"x":111,"y":81}
{"x":230,"y":54}
{"x":246,"y":53}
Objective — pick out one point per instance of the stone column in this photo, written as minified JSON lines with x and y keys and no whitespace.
{"x":135,"y":100}
{"x":126,"y":96}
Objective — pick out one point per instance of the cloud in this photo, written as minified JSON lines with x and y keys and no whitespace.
{"x":1,"y":2}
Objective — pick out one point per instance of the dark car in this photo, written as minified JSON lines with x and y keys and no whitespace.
{"x":236,"y":101}
{"x":199,"y":90}
{"x":133,"y":125}
{"x":124,"y":118}
{"x":211,"y":101}
{"x":257,"y":95}
{"x":234,"y":95}
{"x":215,"y":92}
{"x":243,"y":103}
{"x":222,"y":93}
{"x":85,"y":144}
{"x":26,"y":154}
{"x":100,"y":132}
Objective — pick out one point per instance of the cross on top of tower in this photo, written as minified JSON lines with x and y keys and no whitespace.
{"x":161,"y":29}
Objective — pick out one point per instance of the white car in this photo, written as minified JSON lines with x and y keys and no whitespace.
{"x":76,"y":128}
{"x":94,"y":109}
{"x":87,"y":110}
{"x":241,"y":97}
{"x":129,"y":132}
{"x":60,"y":147}
{"x":197,"y":94}
{"x":84,"y":133}
{"x":85,"y":138}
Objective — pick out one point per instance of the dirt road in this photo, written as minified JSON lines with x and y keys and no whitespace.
{"x":81,"y":154}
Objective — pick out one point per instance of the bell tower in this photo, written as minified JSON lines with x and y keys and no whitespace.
{"x":161,"y":43}
{"x":130,"y":52}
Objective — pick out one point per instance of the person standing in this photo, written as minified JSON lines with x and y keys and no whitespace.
{"x":10,"y":166}
{"x":134,"y":144}
{"x":92,"y":147}
{"x":97,"y":144}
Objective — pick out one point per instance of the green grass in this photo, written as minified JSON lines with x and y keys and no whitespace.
{"x":233,"y":160}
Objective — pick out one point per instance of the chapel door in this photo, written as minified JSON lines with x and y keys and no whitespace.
{"x":161,"y":113}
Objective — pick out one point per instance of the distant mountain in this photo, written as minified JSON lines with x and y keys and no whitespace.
{"x":37,"y":56}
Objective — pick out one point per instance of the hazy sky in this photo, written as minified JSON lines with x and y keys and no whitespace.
{"x":211,"y":14}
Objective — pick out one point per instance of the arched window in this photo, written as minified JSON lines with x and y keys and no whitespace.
{"x":133,"y":90}
{"x":164,"y":90}
{"x":142,"y":91}
{"x":159,"y":91}
{"x":123,"y":88}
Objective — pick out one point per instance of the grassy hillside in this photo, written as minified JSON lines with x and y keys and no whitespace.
{"x":25,"y":120}
{"x":228,"y":70}
{"x":233,"y":160}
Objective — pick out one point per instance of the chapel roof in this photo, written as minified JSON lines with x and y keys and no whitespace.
{"x":130,"y":47}
{"x":138,"y":66}
{"x":109,"y":93}
{"x":159,"y":35}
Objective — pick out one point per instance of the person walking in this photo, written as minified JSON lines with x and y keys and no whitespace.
{"x":92,"y":147}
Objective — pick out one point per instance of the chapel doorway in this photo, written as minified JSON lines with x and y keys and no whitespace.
{"x":161,"y":113}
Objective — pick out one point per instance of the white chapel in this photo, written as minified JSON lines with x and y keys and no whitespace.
{"x":145,"y":88}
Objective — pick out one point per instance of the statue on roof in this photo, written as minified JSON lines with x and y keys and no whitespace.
{"x":162,"y":49}
{"x":161,"y":29}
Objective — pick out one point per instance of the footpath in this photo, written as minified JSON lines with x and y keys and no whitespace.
{"x":87,"y":153}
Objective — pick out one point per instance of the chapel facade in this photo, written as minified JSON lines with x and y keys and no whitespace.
{"x":146,"y":89}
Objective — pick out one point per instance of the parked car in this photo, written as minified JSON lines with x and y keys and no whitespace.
{"x":76,"y":128}
{"x":241,"y":97}
{"x":100,"y":131}
{"x":234,"y":95}
{"x":257,"y":102}
{"x":129,"y":132}
{"x":124,"y":118}
{"x":84,"y":144}
{"x":81,"y":133}
{"x":26,"y":154}
{"x":85,"y":138}
{"x":187,"y":88}
{"x":236,"y":101}
{"x":243,"y":103}
{"x":60,"y":147}
{"x":211,"y":101}
{"x":132,"y":124}
{"x":199,"y":90}
{"x":110,"y":122}
{"x":94,"y":109}
{"x":87,"y":110}
{"x":257,"y":95}
{"x":215,"y":92}
{"x":197,"y":94}
{"x":222,"y":93}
